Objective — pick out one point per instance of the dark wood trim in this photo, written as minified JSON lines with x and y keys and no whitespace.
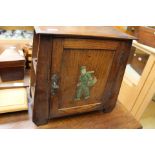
{"x":41,"y":99}
{"x":116,"y":76}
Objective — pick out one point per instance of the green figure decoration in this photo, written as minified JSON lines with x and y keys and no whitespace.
{"x":86,"y":81}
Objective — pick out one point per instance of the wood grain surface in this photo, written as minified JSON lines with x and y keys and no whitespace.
{"x":119,"y":118}
{"x":84,"y":31}
{"x":103,"y":50}
{"x":68,"y":56}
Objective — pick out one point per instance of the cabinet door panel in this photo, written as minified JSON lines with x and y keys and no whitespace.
{"x":82,"y":73}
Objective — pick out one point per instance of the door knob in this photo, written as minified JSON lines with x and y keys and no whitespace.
{"x":55,"y":85}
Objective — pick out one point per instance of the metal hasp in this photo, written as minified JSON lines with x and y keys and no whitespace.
{"x":86,"y":80}
{"x":55,"y":85}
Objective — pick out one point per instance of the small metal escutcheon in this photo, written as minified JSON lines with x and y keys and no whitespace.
{"x":54,"y":82}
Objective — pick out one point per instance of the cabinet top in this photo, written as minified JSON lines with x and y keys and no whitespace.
{"x":84,"y":31}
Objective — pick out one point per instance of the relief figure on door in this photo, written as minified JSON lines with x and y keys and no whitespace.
{"x":86,"y":81}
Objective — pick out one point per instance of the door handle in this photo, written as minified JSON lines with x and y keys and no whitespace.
{"x":54,"y":82}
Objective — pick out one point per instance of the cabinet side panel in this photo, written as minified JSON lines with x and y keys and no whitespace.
{"x":116,"y":75}
{"x":42,"y":88}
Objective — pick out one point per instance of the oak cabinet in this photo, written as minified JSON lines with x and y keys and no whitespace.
{"x":76,"y":70}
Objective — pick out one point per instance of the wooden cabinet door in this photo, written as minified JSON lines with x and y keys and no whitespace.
{"x":79,"y":71}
